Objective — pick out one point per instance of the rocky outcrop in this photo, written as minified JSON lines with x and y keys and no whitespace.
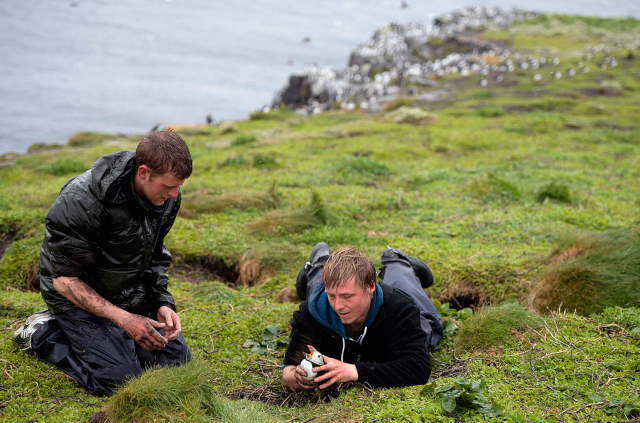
{"x":398,"y":57}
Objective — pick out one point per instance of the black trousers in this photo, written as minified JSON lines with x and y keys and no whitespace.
{"x":97,"y":353}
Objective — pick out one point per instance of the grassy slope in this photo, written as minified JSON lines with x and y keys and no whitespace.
{"x":459,"y":193}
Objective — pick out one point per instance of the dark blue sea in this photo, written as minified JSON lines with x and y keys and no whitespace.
{"x":124,"y":66}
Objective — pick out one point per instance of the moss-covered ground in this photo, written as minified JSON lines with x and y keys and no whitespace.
{"x":483,"y":191}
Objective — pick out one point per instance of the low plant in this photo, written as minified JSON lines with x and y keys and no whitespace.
{"x":590,"y":271}
{"x":203,"y":201}
{"x":554,"y":191}
{"x":265,"y":161}
{"x":493,"y":326}
{"x":494,"y":188}
{"x":178,"y":394}
{"x":243,"y":140}
{"x":291,"y":221}
{"x":410,"y":115}
{"x":459,"y":395}
{"x":234,"y":161}
{"x":361,"y":170}
{"x":490,"y":112}
{"x":271,"y":340}
{"x":65,"y":166}
{"x":86,"y":139}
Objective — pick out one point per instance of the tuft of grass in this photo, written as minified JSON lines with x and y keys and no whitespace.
{"x":590,"y":271}
{"x":410,"y":115}
{"x":627,"y":318}
{"x":494,"y":188}
{"x":493,"y":326}
{"x":360,"y":170}
{"x":64,"y":166}
{"x":265,"y":161}
{"x":180,"y":394}
{"x":234,"y":161}
{"x":87,"y":138}
{"x":490,"y":112}
{"x":243,"y":140}
{"x":227,"y":128}
{"x":41,"y":146}
{"x":202,"y":202}
{"x":276,"y":115}
{"x":610,"y":87}
{"x":398,"y":102}
{"x":20,"y":264}
{"x":291,"y":221}
{"x":554,"y":191}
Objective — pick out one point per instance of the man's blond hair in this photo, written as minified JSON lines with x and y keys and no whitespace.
{"x":348,"y":263}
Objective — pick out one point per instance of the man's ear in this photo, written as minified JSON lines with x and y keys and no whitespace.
{"x":143,"y":172}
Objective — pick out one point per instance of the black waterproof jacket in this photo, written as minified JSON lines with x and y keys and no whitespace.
{"x":102,"y":232}
{"x":391,"y":353}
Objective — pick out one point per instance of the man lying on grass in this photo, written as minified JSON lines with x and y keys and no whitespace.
{"x":378,"y":334}
{"x":103,"y":268}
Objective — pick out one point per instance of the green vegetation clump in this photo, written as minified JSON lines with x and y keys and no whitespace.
{"x":265,"y":161}
{"x":494,"y":188}
{"x":590,"y":271}
{"x":610,"y":87}
{"x":459,"y":394}
{"x":490,"y":112}
{"x":398,"y":102}
{"x":627,"y":318}
{"x":64,"y":166}
{"x":234,"y":161}
{"x":360,"y":170}
{"x":87,"y":139}
{"x":493,"y":326}
{"x":202,"y":202}
{"x":41,"y":146}
{"x":20,"y":263}
{"x":227,"y":128}
{"x":183,"y":394}
{"x":276,"y":115}
{"x":243,"y":140}
{"x":291,"y":221}
{"x":554,"y":191}
{"x":410,"y":115}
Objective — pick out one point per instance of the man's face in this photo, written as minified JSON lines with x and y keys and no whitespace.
{"x":157,"y":187}
{"x":350,"y":302}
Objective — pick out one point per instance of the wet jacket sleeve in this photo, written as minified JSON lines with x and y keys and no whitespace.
{"x":72,"y":229}
{"x":406,"y":360}
{"x":160,"y":262}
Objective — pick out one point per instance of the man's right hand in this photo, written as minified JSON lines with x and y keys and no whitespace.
{"x":143,"y":330}
{"x":294,"y":378}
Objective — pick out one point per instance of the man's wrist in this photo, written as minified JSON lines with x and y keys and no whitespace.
{"x":120,"y":316}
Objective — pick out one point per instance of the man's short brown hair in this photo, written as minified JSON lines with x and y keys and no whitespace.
{"x":345,"y":264}
{"x":165,"y":151}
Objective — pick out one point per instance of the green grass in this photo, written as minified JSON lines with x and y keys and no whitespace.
{"x":462,"y":192}
{"x":493,"y":327}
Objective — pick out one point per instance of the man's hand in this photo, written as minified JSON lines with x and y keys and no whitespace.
{"x":143,"y":330}
{"x":171,"y":319}
{"x":335,"y":371}
{"x":294,"y":378}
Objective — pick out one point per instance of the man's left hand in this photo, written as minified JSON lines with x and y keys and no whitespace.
{"x":336,"y":371}
{"x":172,"y":320}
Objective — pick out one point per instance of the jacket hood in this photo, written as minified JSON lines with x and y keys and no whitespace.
{"x":320,"y":309}
{"x":111,"y":176}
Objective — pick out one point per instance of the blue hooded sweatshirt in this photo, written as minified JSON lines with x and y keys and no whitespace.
{"x":320,"y":309}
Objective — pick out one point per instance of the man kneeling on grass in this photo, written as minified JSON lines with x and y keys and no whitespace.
{"x":378,"y":334}
{"x":103,"y":268}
